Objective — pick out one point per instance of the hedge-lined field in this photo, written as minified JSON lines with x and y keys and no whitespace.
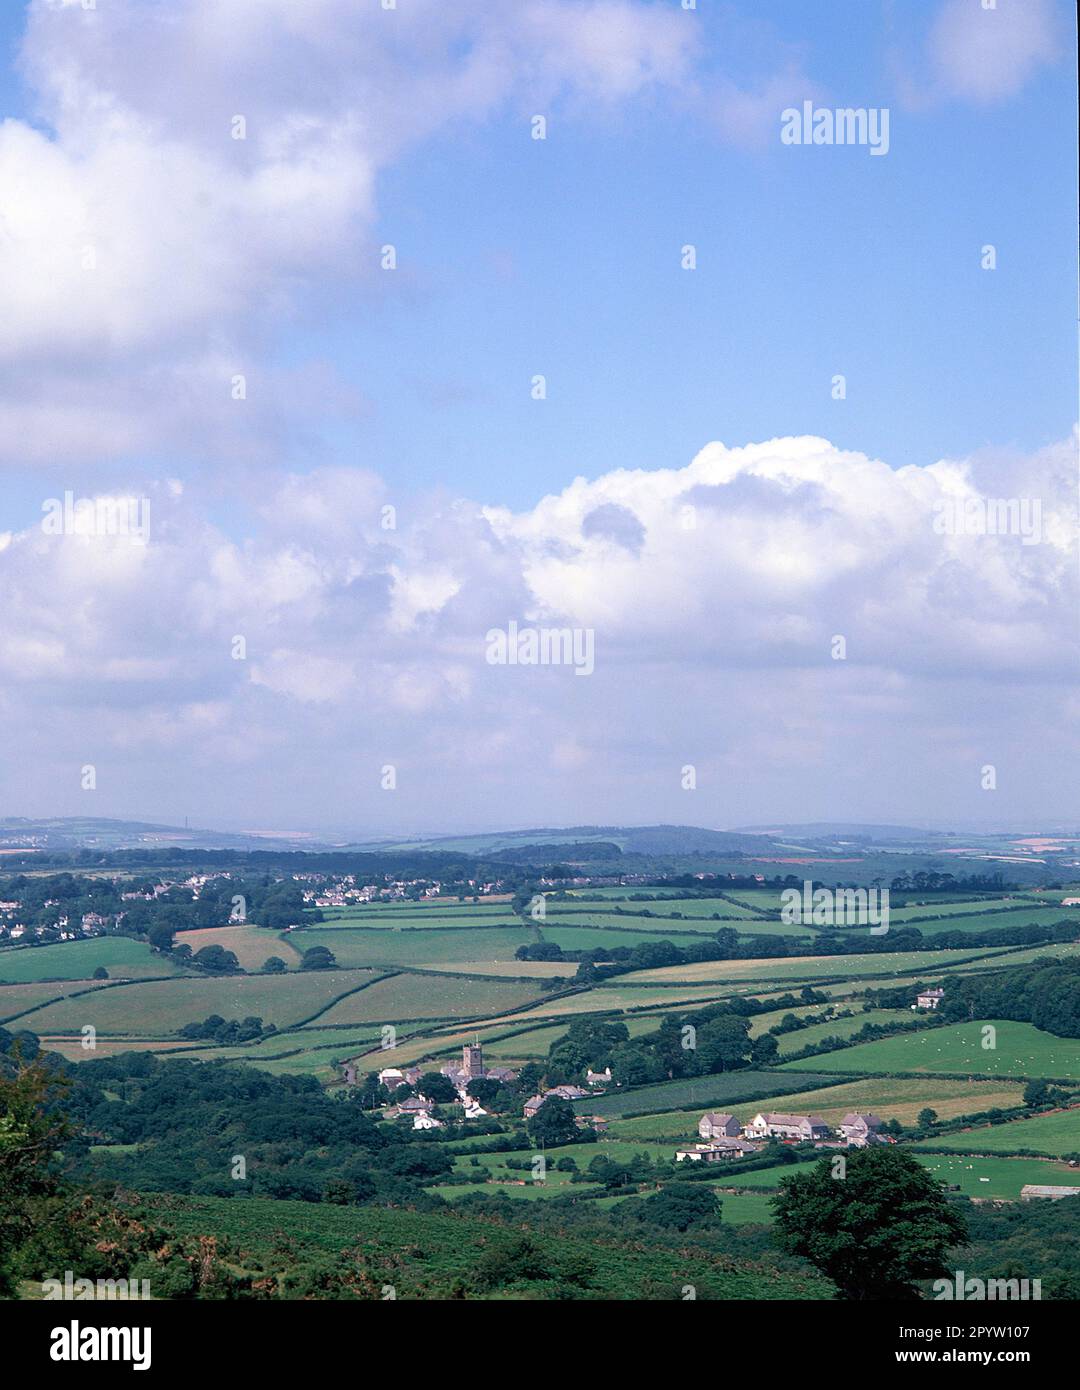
{"x":1020,"y":1050}
{"x":159,"y":1008}
{"x":1054,"y":1133}
{"x":122,"y":957}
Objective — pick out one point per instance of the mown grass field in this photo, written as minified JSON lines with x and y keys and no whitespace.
{"x":1020,"y":1050}
{"x":1055,"y":1133}
{"x":121,"y":956}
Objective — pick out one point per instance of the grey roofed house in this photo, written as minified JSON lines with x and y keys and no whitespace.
{"x":718,"y":1126}
{"x":794,"y":1126}
{"x":532,"y":1105}
{"x":567,"y":1092}
{"x":857,"y":1123}
{"x":413,"y":1106}
{"x":501,"y":1074}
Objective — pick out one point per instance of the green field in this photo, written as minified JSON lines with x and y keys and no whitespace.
{"x":17,"y":999}
{"x":809,"y":967}
{"x":161,"y":1007}
{"x":838,"y":1028}
{"x":1020,"y":1050}
{"x":996,"y":1177}
{"x":353,"y":948}
{"x":586,"y":938}
{"x":122,"y":957}
{"x":430,"y":996}
{"x":992,"y":921}
{"x":1055,"y":1133}
{"x":724,"y":1088}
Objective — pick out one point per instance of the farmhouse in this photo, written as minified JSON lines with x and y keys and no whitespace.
{"x":779,"y":1126}
{"x":929,"y":999}
{"x":532,"y":1105}
{"x":1031,"y":1190}
{"x":598,"y":1078}
{"x":859,"y":1131}
{"x":714,"y":1126}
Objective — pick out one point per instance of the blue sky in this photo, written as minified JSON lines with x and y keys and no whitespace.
{"x":519,"y":257}
{"x":562,"y":257}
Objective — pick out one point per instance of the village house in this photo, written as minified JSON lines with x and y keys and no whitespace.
{"x":716,"y":1151}
{"x":929,"y":999}
{"x":426,"y":1121}
{"x":860,"y":1131}
{"x":598,"y":1078}
{"x":394,"y":1076}
{"x":715,"y":1126}
{"x":413,"y":1106}
{"x":801,"y":1128}
{"x":532,"y":1105}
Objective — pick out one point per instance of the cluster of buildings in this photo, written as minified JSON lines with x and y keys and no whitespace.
{"x":472,"y":1069}
{"x":726,"y":1137}
{"x":348,"y":891}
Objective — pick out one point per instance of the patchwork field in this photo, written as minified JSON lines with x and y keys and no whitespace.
{"x":428,"y":996}
{"x":1020,"y":1050}
{"x":160,"y":1007}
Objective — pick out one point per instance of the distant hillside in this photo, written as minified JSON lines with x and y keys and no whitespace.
{"x":848,"y":830}
{"x":90,"y":832}
{"x":632,"y":839}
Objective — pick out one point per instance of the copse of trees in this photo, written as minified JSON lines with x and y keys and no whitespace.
{"x":1045,"y":993}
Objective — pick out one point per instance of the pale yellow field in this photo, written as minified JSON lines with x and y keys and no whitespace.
{"x":520,"y":969}
{"x":72,"y":1049}
{"x":251,"y":946}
